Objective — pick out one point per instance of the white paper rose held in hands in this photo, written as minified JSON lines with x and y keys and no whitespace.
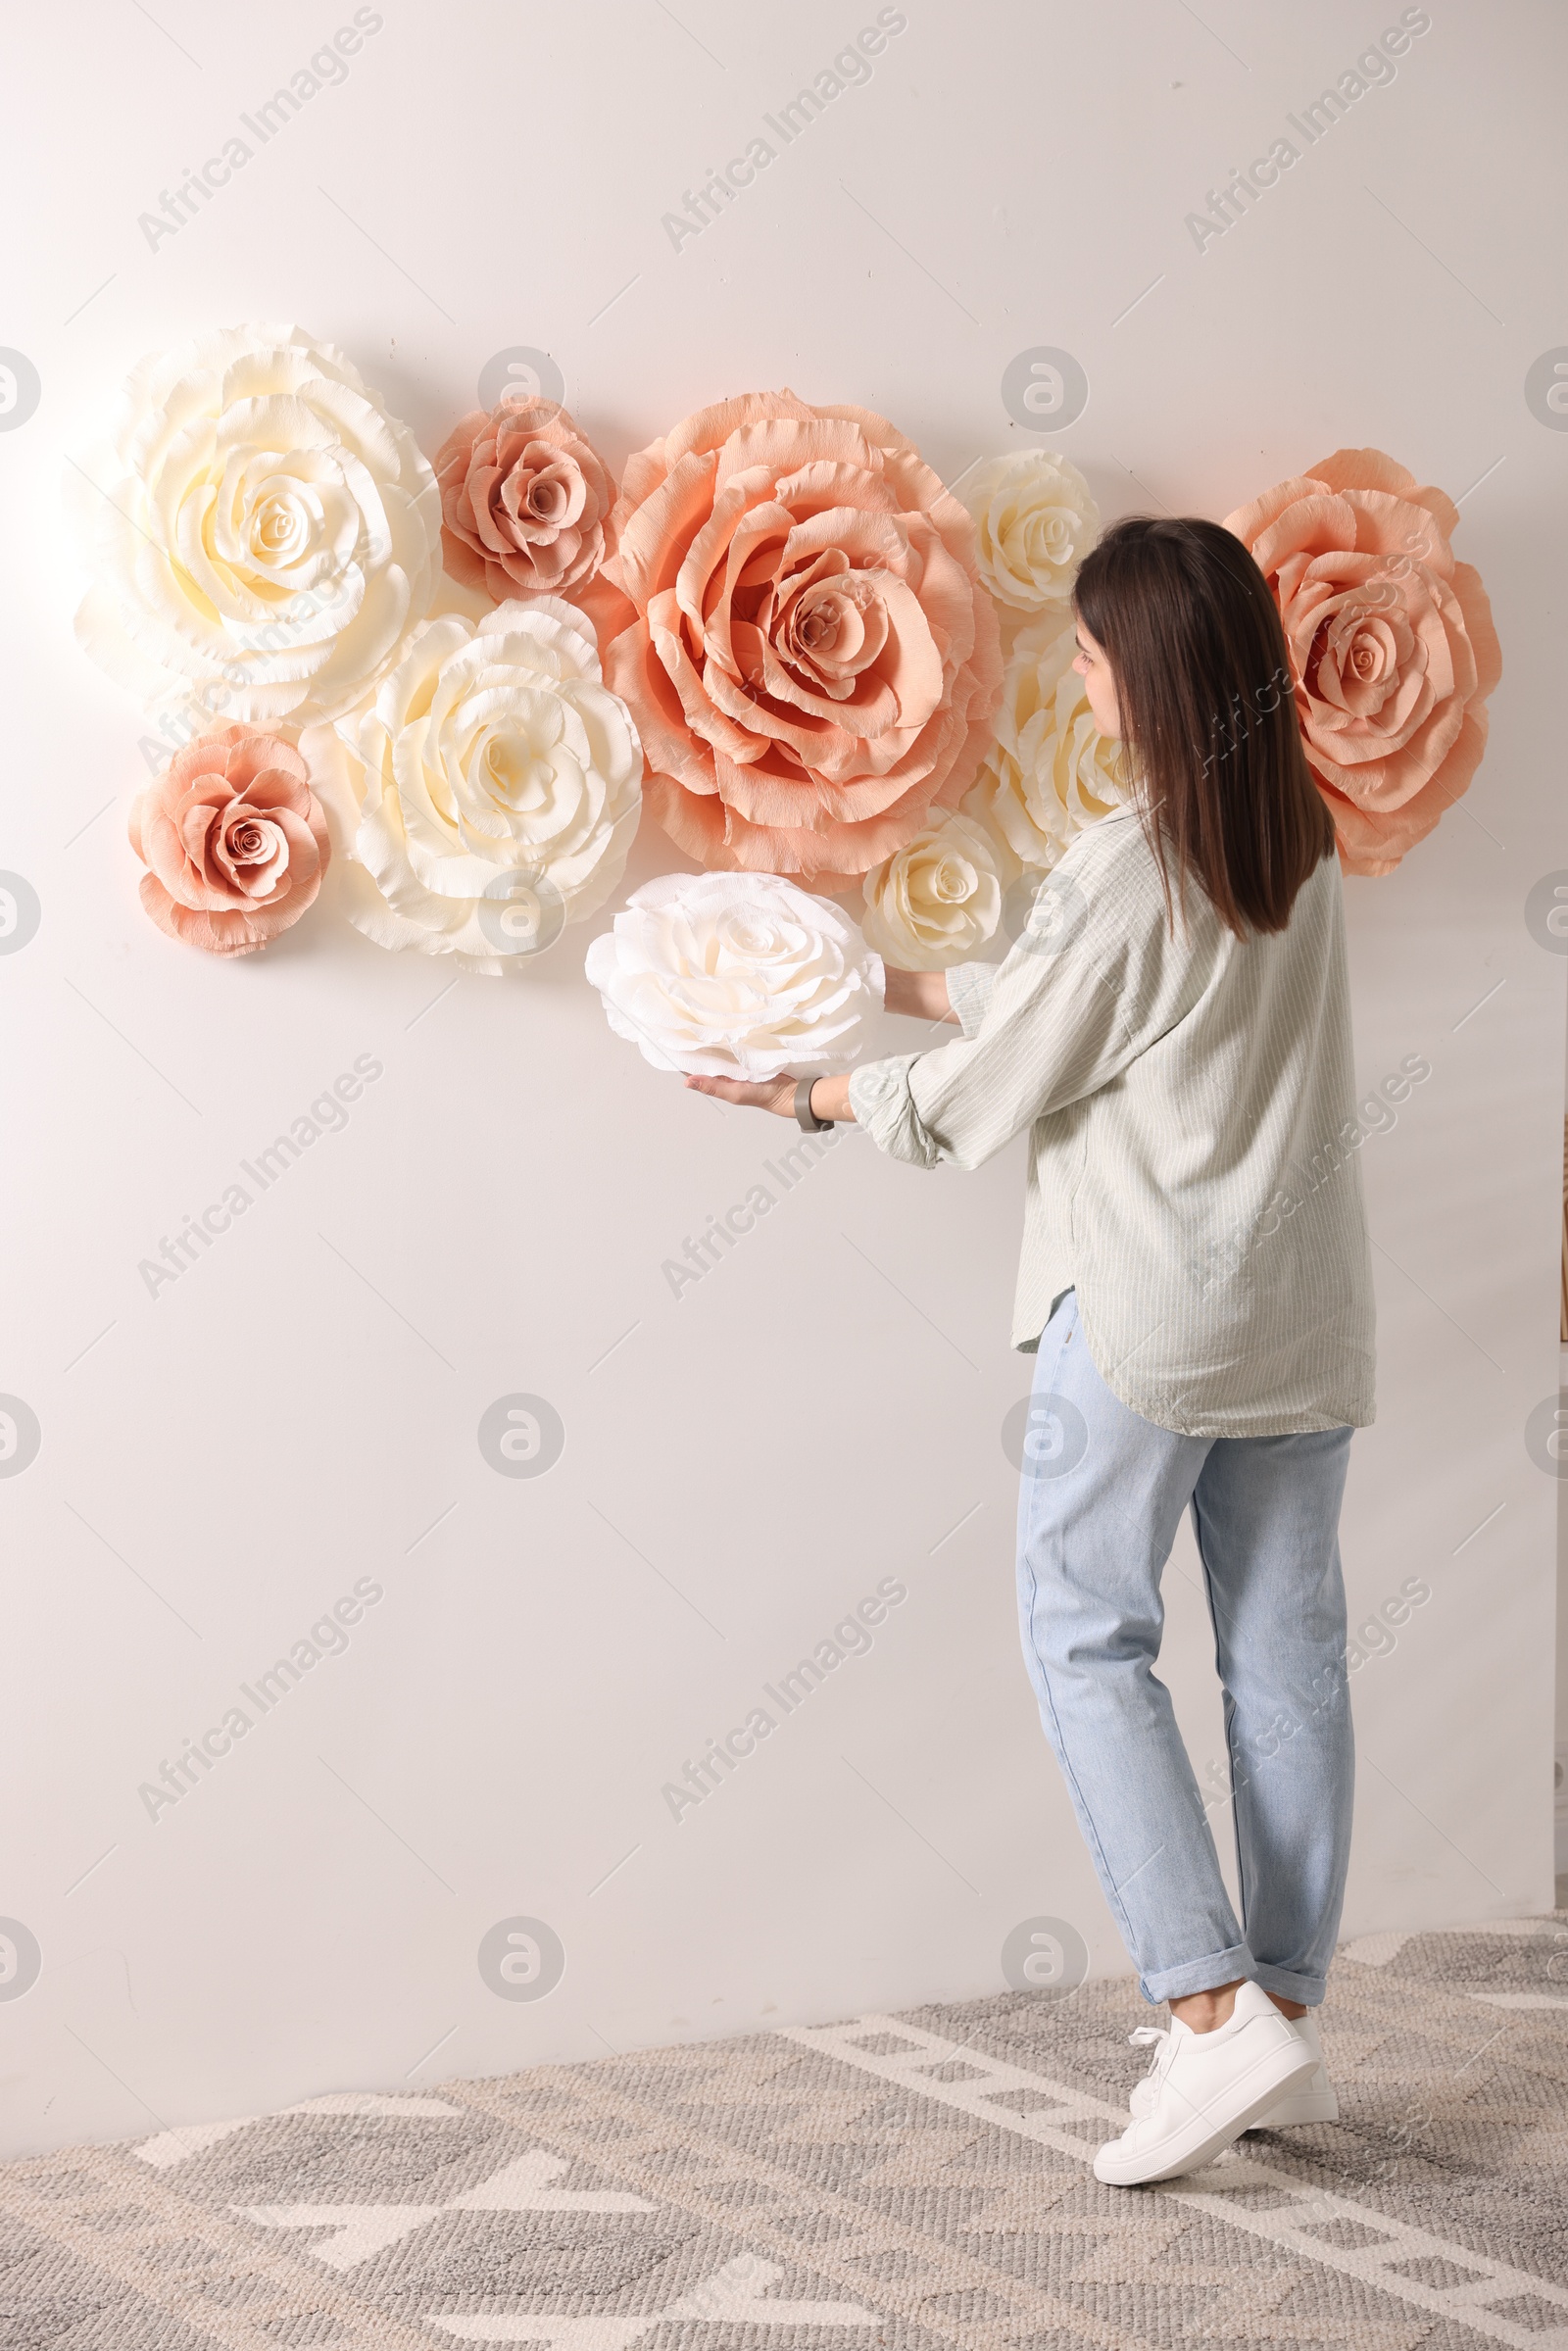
{"x":493,"y":788}
{"x":935,"y":900}
{"x":1050,"y":771}
{"x":1034,"y":520}
{"x":262,"y":534}
{"x":736,"y":976}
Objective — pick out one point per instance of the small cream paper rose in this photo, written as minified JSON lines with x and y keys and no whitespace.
{"x":1035,"y":520}
{"x":491,"y":792}
{"x":261,"y":532}
{"x":736,"y":976}
{"x":1050,"y":770}
{"x":935,"y":900}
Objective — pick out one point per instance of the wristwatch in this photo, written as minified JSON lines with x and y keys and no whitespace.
{"x":806,"y":1117}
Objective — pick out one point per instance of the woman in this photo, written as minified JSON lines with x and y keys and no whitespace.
{"x":1173,"y":1026}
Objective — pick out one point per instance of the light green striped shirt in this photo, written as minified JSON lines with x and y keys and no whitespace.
{"x":1194,"y":1165}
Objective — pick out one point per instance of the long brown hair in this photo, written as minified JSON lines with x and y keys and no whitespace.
{"x":1207,"y":715}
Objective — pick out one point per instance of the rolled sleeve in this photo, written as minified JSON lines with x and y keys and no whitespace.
{"x":970,"y":986}
{"x":880,"y":1097}
{"x":1055,"y":1029}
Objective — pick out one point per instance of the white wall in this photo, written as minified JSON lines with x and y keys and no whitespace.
{"x":742,"y":1465}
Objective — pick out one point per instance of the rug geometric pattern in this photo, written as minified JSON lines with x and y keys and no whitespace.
{"x":917,"y":2182}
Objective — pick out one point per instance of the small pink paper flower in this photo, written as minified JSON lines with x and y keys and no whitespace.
{"x":524,"y":503}
{"x":1390,"y":643}
{"x":233,"y":839}
{"x":812,"y":663}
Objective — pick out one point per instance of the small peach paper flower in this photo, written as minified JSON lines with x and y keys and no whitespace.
{"x":1391,"y":644}
{"x":814,"y":662}
{"x":233,"y":840}
{"x":524,"y":502}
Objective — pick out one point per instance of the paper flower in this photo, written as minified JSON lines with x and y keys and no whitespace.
{"x":233,"y":839}
{"x":1390,"y":643}
{"x":263,"y":533}
{"x":812,"y":663}
{"x":935,"y":900}
{"x":1035,"y":520}
{"x":1050,"y":771}
{"x":524,"y":502}
{"x":736,"y":976}
{"x":492,"y":790}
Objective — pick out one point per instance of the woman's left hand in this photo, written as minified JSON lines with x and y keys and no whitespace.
{"x":830,"y":1096}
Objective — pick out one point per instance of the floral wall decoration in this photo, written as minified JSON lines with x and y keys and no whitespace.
{"x":1048,"y":771}
{"x":812,"y":663}
{"x":525,"y":504}
{"x":261,"y":532}
{"x":838,"y":673}
{"x":1034,"y":520}
{"x":1391,"y":644}
{"x":936,"y":900}
{"x":490,"y":791}
{"x":736,"y":976}
{"x":233,"y":840}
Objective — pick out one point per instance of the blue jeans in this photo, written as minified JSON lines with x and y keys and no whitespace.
{"x":1101,"y":1499}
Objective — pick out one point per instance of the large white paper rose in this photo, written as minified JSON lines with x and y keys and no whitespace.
{"x":935,"y":900}
{"x":1050,"y":770}
{"x":1034,"y":520}
{"x":262,"y":534}
{"x":736,"y":976}
{"x":493,"y":788}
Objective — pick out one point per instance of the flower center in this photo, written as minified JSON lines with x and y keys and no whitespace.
{"x":278,"y":529}
{"x":547,"y":498}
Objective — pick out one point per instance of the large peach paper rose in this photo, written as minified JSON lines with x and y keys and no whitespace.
{"x":233,"y":839}
{"x":524,"y":502}
{"x":1390,"y":643}
{"x":812,"y":665}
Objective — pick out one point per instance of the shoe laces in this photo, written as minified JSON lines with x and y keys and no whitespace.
{"x":1153,"y":2037}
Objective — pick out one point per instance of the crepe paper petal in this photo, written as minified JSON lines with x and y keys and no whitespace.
{"x":737,"y":975}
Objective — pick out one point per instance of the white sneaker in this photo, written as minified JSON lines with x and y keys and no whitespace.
{"x":1207,"y":2087}
{"x":1313,"y":2102}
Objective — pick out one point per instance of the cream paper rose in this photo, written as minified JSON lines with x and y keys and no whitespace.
{"x":491,"y":792}
{"x":736,"y":976}
{"x":1035,"y":520}
{"x":1050,"y":771}
{"x":935,"y":901}
{"x":263,"y":534}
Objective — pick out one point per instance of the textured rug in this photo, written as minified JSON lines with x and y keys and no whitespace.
{"x":919,"y":2181}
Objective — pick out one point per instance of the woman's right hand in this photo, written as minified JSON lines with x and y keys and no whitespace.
{"x":923,"y":994}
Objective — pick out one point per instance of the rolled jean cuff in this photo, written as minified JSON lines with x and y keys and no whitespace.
{"x":1205,"y":1975}
{"x":1308,"y":1990}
